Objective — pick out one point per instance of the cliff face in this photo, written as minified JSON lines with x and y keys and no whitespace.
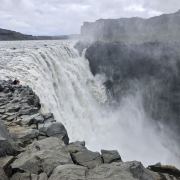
{"x":34,"y":146}
{"x":134,"y":30}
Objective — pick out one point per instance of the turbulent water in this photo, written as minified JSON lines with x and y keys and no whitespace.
{"x":66,"y":87}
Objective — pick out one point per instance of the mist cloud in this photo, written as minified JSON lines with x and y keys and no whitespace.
{"x":53,"y":17}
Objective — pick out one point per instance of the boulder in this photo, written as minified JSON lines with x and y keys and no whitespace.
{"x":3,"y":175}
{"x":55,"y":130}
{"x":125,"y":171}
{"x":43,"y":176}
{"x":69,"y":172}
{"x":170,"y":170}
{"x":87,"y":158}
{"x":24,"y":134}
{"x":6,"y":144}
{"x":43,"y":156}
{"x":110,"y":156}
{"x":24,"y":176}
{"x":76,"y":147}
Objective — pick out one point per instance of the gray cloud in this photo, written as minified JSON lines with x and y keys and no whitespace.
{"x":52,"y":17}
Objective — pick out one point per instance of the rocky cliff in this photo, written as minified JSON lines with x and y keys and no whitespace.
{"x":162,"y":28}
{"x":33,"y":146}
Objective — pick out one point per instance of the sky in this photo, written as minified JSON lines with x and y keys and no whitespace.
{"x":58,"y":17}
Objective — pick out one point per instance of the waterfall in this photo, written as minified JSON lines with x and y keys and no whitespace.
{"x":66,"y":87}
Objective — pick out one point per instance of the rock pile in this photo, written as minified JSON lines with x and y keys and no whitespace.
{"x":33,"y":146}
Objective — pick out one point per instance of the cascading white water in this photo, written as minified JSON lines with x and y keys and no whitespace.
{"x":66,"y":87}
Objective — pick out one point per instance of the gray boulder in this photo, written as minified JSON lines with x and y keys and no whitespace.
{"x":43,"y":176}
{"x":76,"y":147}
{"x":87,"y":158}
{"x":55,"y":130}
{"x":24,"y":176}
{"x":117,"y":171}
{"x":69,"y":172}
{"x":3,"y":175}
{"x":6,"y":143}
{"x":24,"y":134}
{"x":110,"y":156}
{"x":43,"y":156}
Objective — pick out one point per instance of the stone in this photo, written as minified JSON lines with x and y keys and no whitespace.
{"x":43,"y":176}
{"x":69,"y":172}
{"x":55,"y":130}
{"x":76,"y":147}
{"x":3,"y":175}
{"x":32,"y":119}
{"x":117,"y":171}
{"x":43,"y":156}
{"x":6,"y":143}
{"x":28,"y":110}
{"x":110,"y":156}
{"x":87,"y":158}
{"x":24,"y":176}
{"x":13,"y":107}
{"x":23,"y":133}
{"x":170,"y":170}
{"x":5,"y":164}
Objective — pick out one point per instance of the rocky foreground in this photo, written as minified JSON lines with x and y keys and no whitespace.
{"x":33,"y":146}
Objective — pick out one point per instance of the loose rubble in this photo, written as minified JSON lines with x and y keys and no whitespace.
{"x":33,"y":146}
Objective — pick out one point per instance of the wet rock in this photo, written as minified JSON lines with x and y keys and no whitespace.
{"x":110,"y":156}
{"x":87,"y":158}
{"x":43,"y":156}
{"x":68,"y":172}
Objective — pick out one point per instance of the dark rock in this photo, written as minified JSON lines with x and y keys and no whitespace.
{"x":170,"y":170}
{"x":5,"y":164}
{"x":87,"y":158}
{"x":43,"y":176}
{"x":3,"y":175}
{"x":55,"y":130}
{"x":110,"y":156}
{"x":6,"y":144}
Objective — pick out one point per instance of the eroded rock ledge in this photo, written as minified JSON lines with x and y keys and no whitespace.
{"x":33,"y":146}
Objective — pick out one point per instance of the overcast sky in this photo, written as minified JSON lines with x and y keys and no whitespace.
{"x":56,"y":17}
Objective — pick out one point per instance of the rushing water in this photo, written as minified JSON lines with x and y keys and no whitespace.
{"x":66,"y":87}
